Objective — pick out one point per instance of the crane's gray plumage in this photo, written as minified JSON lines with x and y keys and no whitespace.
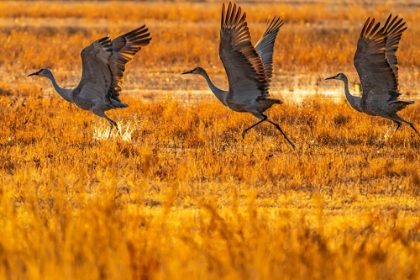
{"x":377,"y":66}
{"x":265,"y":46}
{"x":248,"y":69}
{"x":103,"y":66}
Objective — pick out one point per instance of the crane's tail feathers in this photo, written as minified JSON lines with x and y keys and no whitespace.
{"x":268,"y":102}
{"x":400,"y":104}
{"x":118,"y":104}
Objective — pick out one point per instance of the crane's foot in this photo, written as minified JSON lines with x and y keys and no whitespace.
{"x":397,"y":124}
{"x":412,"y":126}
{"x":113,"y":123}
{"x":110,"y":130}
{"x":284,"y":134}
{"x":291,"y":144}
{"x":119,"y":131}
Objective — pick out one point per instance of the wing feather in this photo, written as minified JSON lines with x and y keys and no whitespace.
{"x":103,"y":64}
{"x":124,"y":48}
{"x":393,"y":29}
{"x":265,"y":45}
{"x":375,"y":60}
{"x":244,"y":67}
{"x":96,"y":76}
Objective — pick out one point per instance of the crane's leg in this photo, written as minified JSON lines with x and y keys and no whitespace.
{"x":398,"y":124}
{"x":412,"y":126}
{"x":284,"y":134}
{"x":112,"y":122}
{"x":255,"y":124}
{"x":265,"y":118}
{"x":398,"y":120}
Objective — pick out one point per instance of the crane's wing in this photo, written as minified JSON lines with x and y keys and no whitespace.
{"x":377,"y":76}
{"x":103,"y":64}
{"x":124,"y":48}
{"x":244,"y":67}
{"x":393,"y":30}
{"x":265,"y":45}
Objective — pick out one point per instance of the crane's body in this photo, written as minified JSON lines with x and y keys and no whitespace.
{"x":103,"y":66}
{"x":377,"y":66}
{"x":252,"y":104}
{"x":248,"y":68}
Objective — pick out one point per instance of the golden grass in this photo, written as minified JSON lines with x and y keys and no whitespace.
{"x":188,"y":198}
{"x":183,"y":196}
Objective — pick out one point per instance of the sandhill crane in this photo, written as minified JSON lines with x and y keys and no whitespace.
{"x":377,"y":66}
{"x":248,"y":69}
{"x":103,"y":66}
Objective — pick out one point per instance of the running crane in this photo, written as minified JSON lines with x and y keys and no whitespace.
{"x":103,"y":66}
{"x":249,"y":70}
{"x":377,"y":66}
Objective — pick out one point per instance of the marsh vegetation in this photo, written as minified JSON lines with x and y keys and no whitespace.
{"x":181,"y":195}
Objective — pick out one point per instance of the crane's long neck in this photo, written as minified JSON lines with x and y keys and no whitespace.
{"x":220,"y":94}
{"x":63,"y":92}
{"x":354,"y":101}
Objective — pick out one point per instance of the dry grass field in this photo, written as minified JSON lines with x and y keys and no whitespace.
{"x":180,"y":195}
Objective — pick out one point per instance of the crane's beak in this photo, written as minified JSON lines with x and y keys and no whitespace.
{"x":33,"y":74}
{"x":187,"y":72}
{"x":330,"y":78}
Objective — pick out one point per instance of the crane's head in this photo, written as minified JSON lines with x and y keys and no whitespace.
{"x":339,"y":76}
{"x":196,"y":70}
{"x":42,"y":72}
